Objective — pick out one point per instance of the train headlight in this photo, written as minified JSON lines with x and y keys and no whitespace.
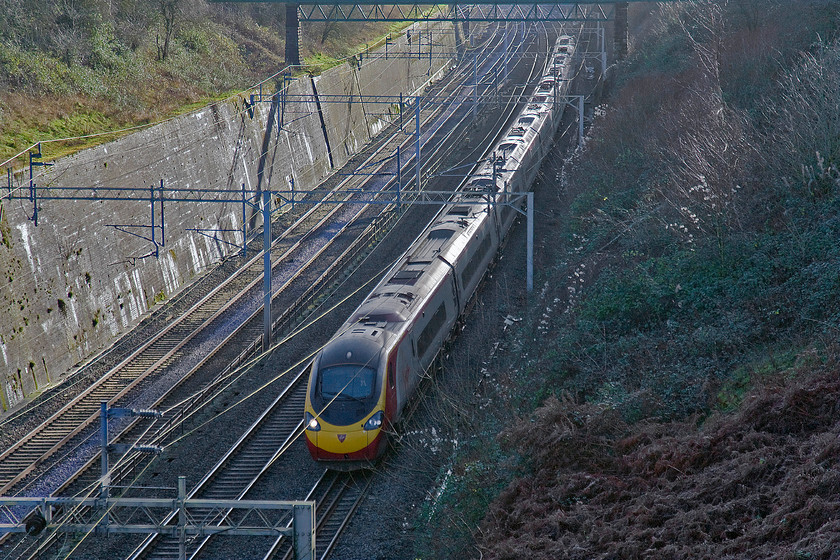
{"x":375,"y":421}
{"x":311,"y":423}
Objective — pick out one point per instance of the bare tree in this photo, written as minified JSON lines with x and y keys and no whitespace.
{"x":711,"y":143}
{"x":703,"y":24}
{"x":169,"y":10}
{"x":807,"y":116}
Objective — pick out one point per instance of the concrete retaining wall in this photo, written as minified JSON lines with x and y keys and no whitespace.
{"x":73,"y":284}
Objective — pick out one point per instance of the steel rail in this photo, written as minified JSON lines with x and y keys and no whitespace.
{"x":164,"y":547}
{"x":126,"y":466}
{"x":259,"y":440}
{"x":43,"y":441}
{"x":21,"y":473}
{"x":46,"y":439}
{"x":338,"y":495}
{"x":358,"y":213}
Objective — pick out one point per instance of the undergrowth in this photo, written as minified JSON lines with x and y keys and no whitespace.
{"x":672,"y":391}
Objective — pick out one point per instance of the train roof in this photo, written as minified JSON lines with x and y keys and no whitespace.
{"x":389,"y":307}
{"x":364,"y":344}
{"x":420,"y":269}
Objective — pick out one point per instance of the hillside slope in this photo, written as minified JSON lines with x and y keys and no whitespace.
{"x":70,"y":69}
{"x":672,"y":390}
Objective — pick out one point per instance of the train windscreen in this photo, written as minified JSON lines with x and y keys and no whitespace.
{"x":347,"y":381}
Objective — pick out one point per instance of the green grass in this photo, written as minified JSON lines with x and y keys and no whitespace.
{"x":51,"y":100}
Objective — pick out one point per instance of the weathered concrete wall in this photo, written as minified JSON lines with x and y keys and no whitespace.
{"x":406,"y":69}
{"x":74,"y":283}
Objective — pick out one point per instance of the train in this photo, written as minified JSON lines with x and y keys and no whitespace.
{"x":362,"y":380}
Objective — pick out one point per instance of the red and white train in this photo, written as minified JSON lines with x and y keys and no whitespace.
{"x":361,"y":381}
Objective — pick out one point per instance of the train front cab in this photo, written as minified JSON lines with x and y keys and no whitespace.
{"x":346,"y":401}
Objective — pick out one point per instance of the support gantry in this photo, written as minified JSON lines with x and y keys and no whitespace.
{"x":621,"y":30}
{"x":533,"y":11}
{"x":292,"y":35}
{"x":140,"y":516}
{"x":476,"y":10}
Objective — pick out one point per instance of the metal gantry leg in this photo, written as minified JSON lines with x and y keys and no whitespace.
{"x":580,"y":119}
{"x":266,"y":270}
{"x":399,"y":180}
{"x":103,"y":437}
{"x":417,"y":165}
{"x":182,"y":518}
{"x":475,"y":85}
{"x":602,"y":43}
{"x":507,"y":48}
{"x":152,"y":206}
{"x":304,"y":527}
{"x":244,"y":223}
{"x":529,"y":265}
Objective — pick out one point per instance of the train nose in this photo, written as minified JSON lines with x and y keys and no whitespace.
{"x":338,"y":444}
{"x":339,"y":441}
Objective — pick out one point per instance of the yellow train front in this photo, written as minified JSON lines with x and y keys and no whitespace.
{"x":347,"y":402}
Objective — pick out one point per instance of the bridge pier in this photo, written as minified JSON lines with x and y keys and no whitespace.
{"x":621,"y":33}
{"x":292,"y":35}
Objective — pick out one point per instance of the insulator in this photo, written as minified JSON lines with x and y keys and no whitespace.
{"x":148,"y":449}
{"x":34,"y":523}
{"x":147,"y":413}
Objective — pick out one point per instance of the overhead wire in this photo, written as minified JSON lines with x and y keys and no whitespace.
{"x":318,"y":414}
{"x":269,"y":382}
{"x":198,"y":137}
{"x":244,"y":369}
{"x":86,"y":493}
{"x":6,"y":421}
{"x":198,"y":134}
{"x":378,"y":468}
{"x":297,"y":435}
{"x":44,"y":402}
{"x":237,"y":373}
{"x":15,"y":416}
{"x":241,"y":371}
{"x":12,"y":418}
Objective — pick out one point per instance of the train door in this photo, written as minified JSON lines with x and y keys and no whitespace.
{"x":406,"y":366}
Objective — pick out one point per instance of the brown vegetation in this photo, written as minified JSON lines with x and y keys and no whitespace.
{"x":762,"y":483}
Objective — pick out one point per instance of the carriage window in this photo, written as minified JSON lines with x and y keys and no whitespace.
{"x":472,"y":268}
{"x":430,"y":331}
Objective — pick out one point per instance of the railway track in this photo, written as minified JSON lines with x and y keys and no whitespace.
{"x":337,"y":494}
{"x":241,"y":467}
{"x":171,"y":344}
{"x":164,"y":353}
